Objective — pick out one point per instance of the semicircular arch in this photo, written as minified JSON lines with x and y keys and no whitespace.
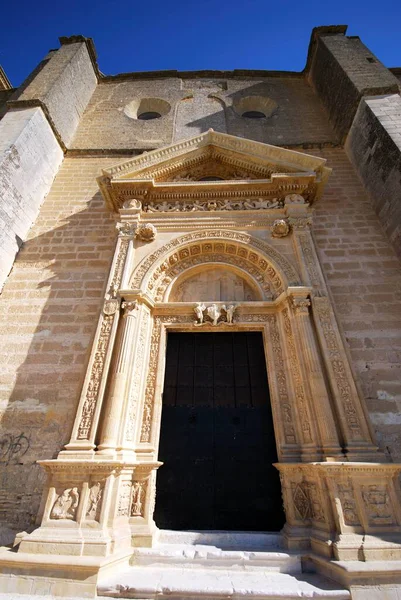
{"x":271,"y":270}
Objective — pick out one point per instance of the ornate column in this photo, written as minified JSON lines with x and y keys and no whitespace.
{"x":119,"y":379}
{"x":312,"y":368}
{"x":83,"y":435}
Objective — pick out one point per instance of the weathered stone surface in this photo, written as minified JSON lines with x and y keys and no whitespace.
{"x":29,"y":159}
{"x":374,"y":147}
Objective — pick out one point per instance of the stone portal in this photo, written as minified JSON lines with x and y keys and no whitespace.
{"x":217,"y":439}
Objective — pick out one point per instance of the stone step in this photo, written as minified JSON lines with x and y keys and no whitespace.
{"x":226,"y":540}
{"x":143,"y":583}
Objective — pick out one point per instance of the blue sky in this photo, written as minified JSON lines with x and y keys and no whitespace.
{"x":190,"y":35}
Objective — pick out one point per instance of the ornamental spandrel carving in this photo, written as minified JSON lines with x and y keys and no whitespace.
{"x":110,"y":307}
{"x":303,"y":411}
{"x":94,"y":501}
{"x":378,"y":505}
{"x":65,"y":505}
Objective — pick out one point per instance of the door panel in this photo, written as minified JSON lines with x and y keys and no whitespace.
{"x":217,"y":440}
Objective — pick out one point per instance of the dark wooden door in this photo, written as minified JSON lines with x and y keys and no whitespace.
{"x":217,"y":440}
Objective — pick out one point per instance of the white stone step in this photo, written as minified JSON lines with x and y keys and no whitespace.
{"x":228,"y":540}
{"x":240,"y":551}
{"x":210,"y":584}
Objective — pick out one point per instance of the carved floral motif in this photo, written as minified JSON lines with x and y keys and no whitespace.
{"x":207,"y":205}
{"x":146,"y":232}
{"x":280,"y":228}
{"x":136,"y":378}
{"x":347,"y":498}
{"x":377,"y":504}
{"x":124,"y":499}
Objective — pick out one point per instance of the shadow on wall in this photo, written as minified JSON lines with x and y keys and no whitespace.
{"x":47,"y":328}
{"x":281,"y":112}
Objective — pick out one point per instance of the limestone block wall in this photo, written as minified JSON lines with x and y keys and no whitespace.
{"x":51,"y":301}
{"x":29,"y":159}
{"x":343,"y":70}
{"x":64,"y":86}
{"x":374,"y":147}
{"x":198,"y":103}
{"x":364,"y":276}
{"x":48,"y":314}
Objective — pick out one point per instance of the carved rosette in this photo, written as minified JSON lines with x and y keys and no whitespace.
{"x":280,"y":228}
{"x":146,"y":232}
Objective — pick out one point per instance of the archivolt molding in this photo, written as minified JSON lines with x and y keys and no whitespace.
{"x":272,"y":272}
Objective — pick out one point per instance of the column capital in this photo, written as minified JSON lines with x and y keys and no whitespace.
{"x":127,"y":228}
{"x":130,"y":307}
{"x":300,"y":304}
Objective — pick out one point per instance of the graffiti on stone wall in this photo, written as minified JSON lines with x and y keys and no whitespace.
{"x":13,"y":448}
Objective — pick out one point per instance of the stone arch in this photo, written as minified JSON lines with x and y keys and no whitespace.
{"x":270,"y":270}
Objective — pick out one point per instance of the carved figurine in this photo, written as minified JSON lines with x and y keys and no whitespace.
{"x":229,"y":310}
{"x":214,"y":312}
{"x":137,"y":501}
{"x":199,"y":308}
{"x":95,"y":496}
{"x":66,"y":504}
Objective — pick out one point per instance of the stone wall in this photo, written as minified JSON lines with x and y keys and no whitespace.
{"x":374,"y":147}
{"x":51,"y":301}
{"x":196,"y":104}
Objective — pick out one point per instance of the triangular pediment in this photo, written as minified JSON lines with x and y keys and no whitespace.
{"x":214,"y":162}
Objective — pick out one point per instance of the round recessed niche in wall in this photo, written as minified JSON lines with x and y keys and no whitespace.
{"x":254,"y":107}
{"x":147,"y":109}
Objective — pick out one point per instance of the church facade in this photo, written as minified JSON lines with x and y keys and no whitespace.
{"x":200,"y":318}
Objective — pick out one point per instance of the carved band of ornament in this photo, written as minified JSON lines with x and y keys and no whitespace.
{"x":226,"y":236}
{"x":136,"y":379}
{"x":148,"y":407}
{"x":349,"y":507}
{"x":324,"y":314}
{"x":164,"y":275}
{"x":214,"y":205}
{"x":297,"y":379}
{"x":124,"y":499}
{"x":310,"y":260}
{"x":119,"y":266}
{"x":97,"y":368}
{"x":281,"y":379}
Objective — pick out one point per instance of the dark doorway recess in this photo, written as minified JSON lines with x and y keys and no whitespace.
{"x":217,"y":440}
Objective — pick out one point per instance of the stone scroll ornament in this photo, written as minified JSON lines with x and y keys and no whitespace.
{"x":214,"y":314}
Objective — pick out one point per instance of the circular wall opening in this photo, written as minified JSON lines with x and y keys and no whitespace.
{"x":253,"y":114}
{"x":254,"y":107}
{"x":146,"y":109}
{"x":149,"y":115}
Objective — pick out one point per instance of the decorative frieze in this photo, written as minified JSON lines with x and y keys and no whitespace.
{"x":216,"y":314}
{"x":213,"y":205}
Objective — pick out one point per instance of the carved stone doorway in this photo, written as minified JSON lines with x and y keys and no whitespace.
{"x":217,"y":440}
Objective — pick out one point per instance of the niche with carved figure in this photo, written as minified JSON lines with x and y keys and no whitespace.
{"x":218,"y":283}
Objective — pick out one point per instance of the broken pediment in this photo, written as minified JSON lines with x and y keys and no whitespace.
{"x":214,"y":165}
